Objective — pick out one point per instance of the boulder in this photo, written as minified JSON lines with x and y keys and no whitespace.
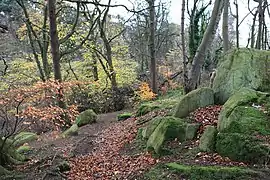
{"x":4,"y":171}
{"x":240,"y":68}
{"x":124,"y":116}
{"x":244,"y":96}
{"x":24,"y":137}
{"x":208,"y":139}
{"x":244,"y":148}
{"x":146,"y":108}
{"x":191,"y":131}
{"x":24,"y":149}
{"x":168,"y":128}
{"x":86,"y":117}
{"x":150,"y":128}
{"x":197,"y":172}
{"x":247,"y":120}
{"x":201,"y":97}
{"x":72,"y":131}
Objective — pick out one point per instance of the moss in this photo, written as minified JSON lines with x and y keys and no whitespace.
{"x":168,"y":128}
{"x":145,"y":108}
{"x":86,"y":117}
{"x":24,"y":137}
{"x":124,"y":116}
{"x":242,"y":97}
{"x":24,"y":149}
{"x":9,"y":153}
{"x":72,"y":131}
{"x":159,"y":172}
{"x":241,"y":68}
{"x":151,"y":126}
{"x":247,"y":120}
{"x":241,"y":147}
{"x":191,"y":131}
{"x":208,"y":139}
{"x":4,"y":171}
{"x":212,"y":172}
{"x":63,"y":166}
{"x":198,"y":98}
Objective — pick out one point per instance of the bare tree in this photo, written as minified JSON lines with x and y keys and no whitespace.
{"x":225,"y":29}
{"x":184,"y":45}
{"x":206,"y":42}
{"x":152,"y":50}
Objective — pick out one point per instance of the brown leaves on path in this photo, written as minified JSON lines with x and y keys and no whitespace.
{"x":106,"y":161}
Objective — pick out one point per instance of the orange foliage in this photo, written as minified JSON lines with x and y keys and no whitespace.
{"x":38,"y":103}
{"x":145,"y":92}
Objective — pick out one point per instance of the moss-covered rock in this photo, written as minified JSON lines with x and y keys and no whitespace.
{"x":242,"y":68}
{"x":24,"y":149}
{"x":151,"y":126}
{"x":86,"y":117}
{"x":72,"y":131}
{"x":195,"y":99}
{"x":242,"y":97}
{"x":247,"y":120}
{"x":9,"y":153}
{"x":168,"y":128}
{"x":24,"y":137}
{"x":146,"y":108}
{"x":208,"y":139}
{"x":240,"y":147}
{"x":4,"y":171}
{"x":212,"y":172}
{"x":124,"y":116}
{"x":191,"y":131}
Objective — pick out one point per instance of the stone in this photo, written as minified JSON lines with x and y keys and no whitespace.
{"x":124,"y":116}
{"x":86,"y":117}
{"x":150,"y":128}
{"x":244,"y":148}
{"x":72,"y":131}
{"x":201,"y":97}
{"x":243,"y":96}
{"x":24,"y":137}
{"x":191,"y":131}
{"x":241,"y":68}
{"x":208,"y":139}
{"x":168,"y":128}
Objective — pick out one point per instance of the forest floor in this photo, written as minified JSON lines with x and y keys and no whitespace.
{"x":109,"y":149}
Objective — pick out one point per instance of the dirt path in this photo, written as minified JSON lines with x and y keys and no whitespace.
{"x":50,"y":149}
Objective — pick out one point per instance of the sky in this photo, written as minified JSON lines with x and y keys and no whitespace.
{"x":175,"y":14}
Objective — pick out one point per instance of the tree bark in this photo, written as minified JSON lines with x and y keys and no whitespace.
{"x":237,"y":23}
{"x":54,"y":41}
{"x":225,"y":31}
{"x":184,"y":45}
{"x":152,"y":50}
{"x":55,"y":51}
{"x":206,"y":42}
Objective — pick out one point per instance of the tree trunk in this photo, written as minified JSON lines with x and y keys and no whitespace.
{"x":95,"y":68}
{"x":183,"y":44}
{"x":225,"y":31}
{"x":44,"y":51}
{"x":252,"y":41}
{"x":55,"y":50}
{"x":259,"y":35}
{"x":152,"y":50}
{"x":206,"y":42}
{"x":237,"y":23}
{"x":54,"y":41}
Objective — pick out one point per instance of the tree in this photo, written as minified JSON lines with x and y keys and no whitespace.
{"x":183,"y":44}
{"x":206,"y":42}
{"x":152,"y":50}
{"x":225,"y":29}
